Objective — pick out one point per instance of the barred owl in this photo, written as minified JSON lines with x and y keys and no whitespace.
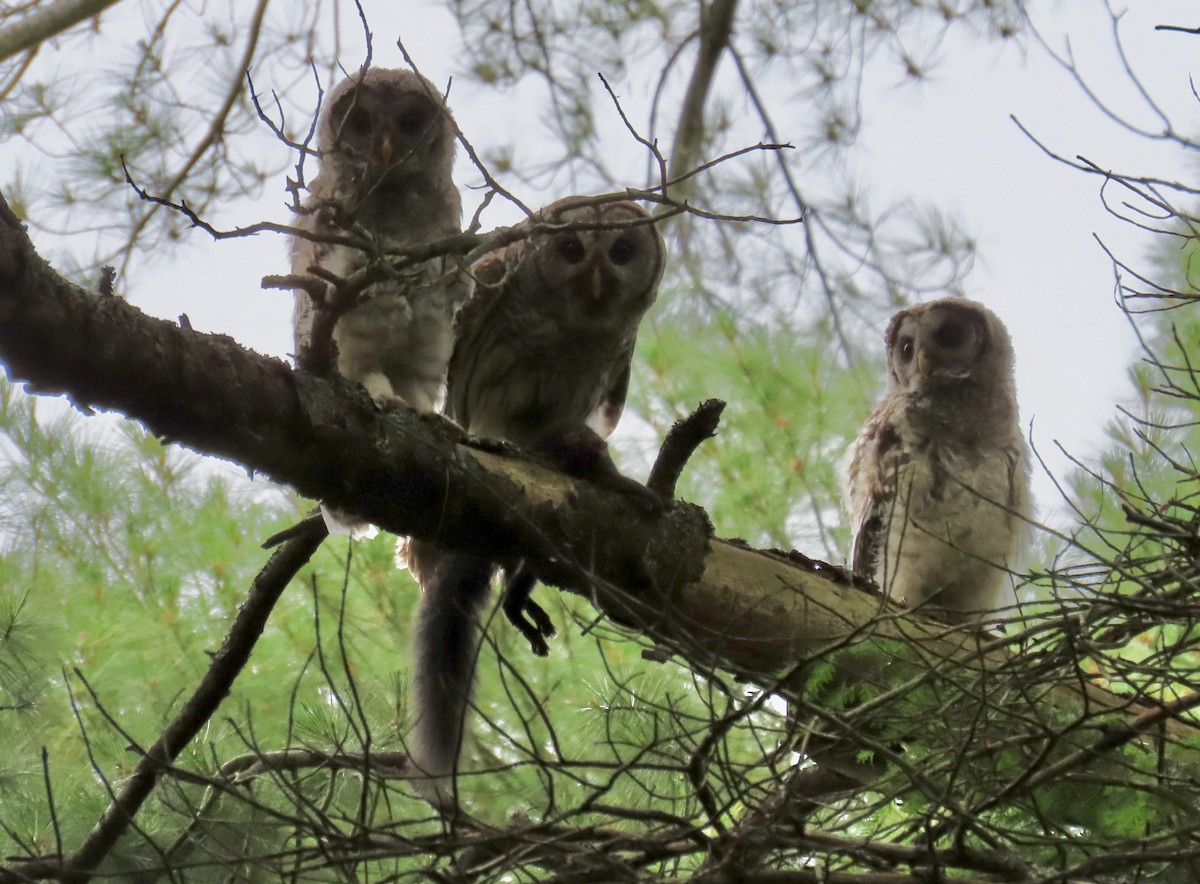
{"x":938,"y":479}
{"x":386,"y":142}
{"x":542,"y":359}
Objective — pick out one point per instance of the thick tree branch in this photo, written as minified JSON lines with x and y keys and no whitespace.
{"x":719,"y":604}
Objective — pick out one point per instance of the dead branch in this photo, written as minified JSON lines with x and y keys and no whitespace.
{"x":682,"y":440}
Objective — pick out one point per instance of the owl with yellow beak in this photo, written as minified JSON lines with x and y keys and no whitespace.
{"x":386,"y":144}
{"x":937,"y":483}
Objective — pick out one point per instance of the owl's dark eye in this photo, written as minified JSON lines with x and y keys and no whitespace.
{"x":358,"y":123}
{"x":570,"y":249}
{"x":622,"y":251}
{"x":414,"y":119}
{"x":951,"y":334}
{"x":906,"y":350}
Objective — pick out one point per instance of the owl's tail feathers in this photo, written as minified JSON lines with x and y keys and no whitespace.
{"x":454,"y":589}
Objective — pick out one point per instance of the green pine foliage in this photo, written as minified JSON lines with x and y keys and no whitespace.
{"x":771,"y":473}
{"x":1140,"y":506}
{"x":125,"y":562}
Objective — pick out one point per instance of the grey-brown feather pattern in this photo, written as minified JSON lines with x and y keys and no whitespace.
{"x":544,"y":345}
{"x":386,"y":141}
{"x":938,"y":479}
{"x":549,"y":339}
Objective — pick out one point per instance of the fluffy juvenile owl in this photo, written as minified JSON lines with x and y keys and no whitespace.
{"x":548,"y":337}
{"x":386,"y":141}
{"x":938,"y":479}
{"x":542,"y":359}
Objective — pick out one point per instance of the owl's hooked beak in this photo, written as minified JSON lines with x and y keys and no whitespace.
{"x":598,"y":285}
{"x":924,"y":364}
{"x":385,"y":149}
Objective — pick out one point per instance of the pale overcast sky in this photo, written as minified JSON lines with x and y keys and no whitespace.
{"x":1036,"y":220}
{"x":948,"y":141}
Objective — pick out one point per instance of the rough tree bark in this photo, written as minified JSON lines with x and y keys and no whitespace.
{"x":716,"y":602}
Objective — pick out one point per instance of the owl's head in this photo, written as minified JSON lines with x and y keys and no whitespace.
{"x":606,"y":266}
{"x":393,"y":123}
{"x":945,"y":343}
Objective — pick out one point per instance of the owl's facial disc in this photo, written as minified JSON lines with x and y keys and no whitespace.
{"x":599,"y":276}
{"x":409,"y":128}
{"x":390,"y":133}
{"x":948,"y":345}
{"x":584,"y":267}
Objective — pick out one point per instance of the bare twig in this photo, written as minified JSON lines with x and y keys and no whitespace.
{"x":651,"y":146}
{"x":491,"y":183}
{"x":108,"y":276}
{"x":682,"y":440}
{"x":1178,"y":28}
{"x":225,"y":666}
{"x":216,"y":128}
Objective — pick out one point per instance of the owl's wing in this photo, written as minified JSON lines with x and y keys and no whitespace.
{"x":870,"y":538}
{"x":878,"y":457}
{"x":307,"y":253}
{"x":612,"y":401}
{"x":469,"y":323}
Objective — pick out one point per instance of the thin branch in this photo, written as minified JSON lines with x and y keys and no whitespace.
{"x":807,"y":214}
{"x":716,"y":28}
{"x":17,"y":73}
{"x":224,"y":668}
{"x":46,"y":22}
{"x":491,"y":183}
{"x":50,"y":804}
{"x":651,"y":146}
{"x":216,"y":128}
{"x":1114,"y":737}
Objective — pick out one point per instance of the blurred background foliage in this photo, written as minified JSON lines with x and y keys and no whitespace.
{"x":124,"y":560}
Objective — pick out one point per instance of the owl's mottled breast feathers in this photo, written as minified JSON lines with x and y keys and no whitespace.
{"x":938,"y":479}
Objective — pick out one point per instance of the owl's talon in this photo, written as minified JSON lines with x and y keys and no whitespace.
{"x":542,"y":348}
{"x":517,"y":606}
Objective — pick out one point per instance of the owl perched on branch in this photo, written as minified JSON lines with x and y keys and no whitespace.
{"x":938,"y":479}
{"x":386,"y":141}
{"x":542,"y":359}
